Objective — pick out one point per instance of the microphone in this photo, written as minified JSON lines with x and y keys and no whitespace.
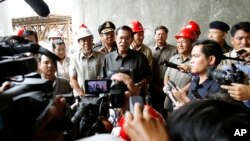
{"x":169,"y":64}
{"x":170,"y":103}
{"x":39,"y":6}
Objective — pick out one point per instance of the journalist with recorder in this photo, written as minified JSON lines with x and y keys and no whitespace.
{"x":205,"y":54}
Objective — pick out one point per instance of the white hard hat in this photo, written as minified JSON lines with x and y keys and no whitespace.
{"x":83,"y":32}
{"x":55,"y":34}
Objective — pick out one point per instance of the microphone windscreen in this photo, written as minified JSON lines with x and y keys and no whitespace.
{"x":39,"y":6}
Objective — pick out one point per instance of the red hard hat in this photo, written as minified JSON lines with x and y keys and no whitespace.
{"x":154,"y":114}
{"x":136,"y":26}
{"x":186,"y":33}
{"x":19,"y":32}
{"x":192,"y":25}
{"x":83,"y":26}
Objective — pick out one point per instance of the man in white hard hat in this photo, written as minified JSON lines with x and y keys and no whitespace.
{"x":53,"y":35}
{"x":86,"y":63}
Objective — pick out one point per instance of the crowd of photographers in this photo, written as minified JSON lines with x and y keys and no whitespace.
{"x":192,"y":91}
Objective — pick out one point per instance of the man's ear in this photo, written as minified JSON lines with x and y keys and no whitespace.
{"x":232,"y":40}
{"x":211,"y":60}
{"x":39,"y":66}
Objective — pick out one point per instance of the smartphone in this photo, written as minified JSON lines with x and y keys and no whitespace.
{"x":172,"y":84}
{"x":133,"y":100}
{"x":241,"y":51}
{"x":97,"y":86}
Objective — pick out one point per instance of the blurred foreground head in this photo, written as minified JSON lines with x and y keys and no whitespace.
{"x":209,"y":120}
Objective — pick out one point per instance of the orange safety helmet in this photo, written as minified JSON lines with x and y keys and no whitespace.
{"x":154,"y":114}
{"x":186,"y":33}
{"x":136,"y":26}
{"x":19,"y":32}
{"x":194,"y":26}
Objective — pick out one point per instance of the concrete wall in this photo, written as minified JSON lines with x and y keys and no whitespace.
{"x":170,"y":13}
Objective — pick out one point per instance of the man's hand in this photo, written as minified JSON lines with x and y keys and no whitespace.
{"x":237,"y":91}
{"x":246,"y":55}
{"x":128,"y":81}
{"x":133,"y":90}
{"x":184,"y":68}
{"x":55,"y":112}
{"x":143,"y":127}
{"x":181,"y":97}
{"x":6,"y":85}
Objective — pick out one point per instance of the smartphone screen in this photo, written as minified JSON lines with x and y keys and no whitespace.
{"x":133,"y":100}
{"x":241,"y":51}
{"x":97,"y":86}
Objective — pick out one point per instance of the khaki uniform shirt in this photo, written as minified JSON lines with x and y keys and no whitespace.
{"x":160,"y":54}
{"x":86,"y":68}
{"x":178,"y":77}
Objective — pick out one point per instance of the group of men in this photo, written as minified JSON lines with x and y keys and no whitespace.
{"x":122,"y":50}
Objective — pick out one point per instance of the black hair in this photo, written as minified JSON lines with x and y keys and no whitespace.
{"x":29,"y":33}
{"x":124,"y":27}
{"x":161,"y":27}
{"x":208,"y":120}
{"x":53,"y":61}
{"x":245,"y":26}
{"x":211,"y":48}
{"x":57,"y":42}
{"x":222,"y":95}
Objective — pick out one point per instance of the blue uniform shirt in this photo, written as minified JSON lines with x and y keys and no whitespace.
{"x":208,"y":86}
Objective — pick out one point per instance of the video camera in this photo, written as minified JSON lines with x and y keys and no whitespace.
{"x":101,"y":95}
{"x":227,"y":77}
{"x":25,"y":104}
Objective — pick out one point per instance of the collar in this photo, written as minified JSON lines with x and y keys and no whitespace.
{"x":117,"y":55}
{"x":104,"y":49}
{"x":156,"y":47}
{"x":82,"y":55}
{"x":206,"y":84}
{"x":133,"y":45}
{"x":180,"y":57}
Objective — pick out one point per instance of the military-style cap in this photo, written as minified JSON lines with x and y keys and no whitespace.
{"x":106,"y":27}
{"x":219,"y":25}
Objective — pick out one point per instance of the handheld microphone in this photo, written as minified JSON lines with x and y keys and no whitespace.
{"x":39,"y":6}
{"x":169,"y":64}
{"x":167,"y":91}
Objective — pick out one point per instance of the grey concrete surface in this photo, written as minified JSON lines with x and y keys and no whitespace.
{"x":170,"y":13}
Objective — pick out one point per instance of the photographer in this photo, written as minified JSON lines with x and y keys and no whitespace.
{"x":240,"y":40}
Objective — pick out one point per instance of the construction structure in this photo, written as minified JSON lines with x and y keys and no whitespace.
{"x":44,"y":25}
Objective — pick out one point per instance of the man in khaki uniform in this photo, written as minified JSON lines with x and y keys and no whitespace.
{"x":107,"y":37}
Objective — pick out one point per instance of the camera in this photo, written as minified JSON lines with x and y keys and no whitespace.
{"x":113,"y":89}
{"x":101,"y":95}
{"x":226,"y":77}
{"x":26,"y":103}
